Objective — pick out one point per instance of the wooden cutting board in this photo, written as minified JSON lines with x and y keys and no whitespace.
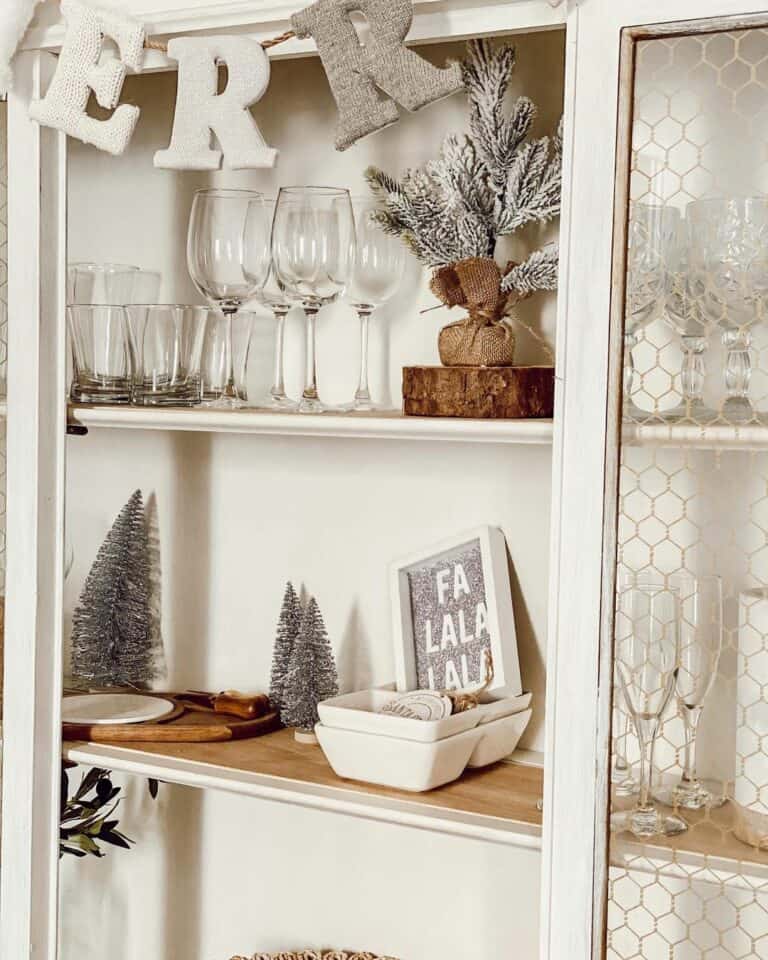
{"x":185,"y":725}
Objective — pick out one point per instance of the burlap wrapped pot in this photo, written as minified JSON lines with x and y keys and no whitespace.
{"x":483,"y":338}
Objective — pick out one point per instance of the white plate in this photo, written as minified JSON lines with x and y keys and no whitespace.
{"x":114,"y":708}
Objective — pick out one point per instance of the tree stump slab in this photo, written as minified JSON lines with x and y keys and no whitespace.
{"x":504,"y":393}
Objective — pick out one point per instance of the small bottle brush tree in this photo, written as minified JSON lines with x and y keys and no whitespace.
{"x":112,"y":642}
{"x":287,"y":631}
{"x":452,"y":212}
{"x":311,"y":675}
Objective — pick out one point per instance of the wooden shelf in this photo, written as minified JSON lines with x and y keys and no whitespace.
{"x":708,"y":845}
{"x":434,"y":20}
{"x":385,"y":426}
{"x":498,"y":804}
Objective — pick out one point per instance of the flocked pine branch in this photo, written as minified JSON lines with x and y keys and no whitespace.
{"x":483,"y":186}
{"x":538,"y":272}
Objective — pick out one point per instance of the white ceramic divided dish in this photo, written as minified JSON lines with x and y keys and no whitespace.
{"x":359,"y":711}
{"x":499,"y":738}
{"x":107,"y":708}
{"x":392,"y":762}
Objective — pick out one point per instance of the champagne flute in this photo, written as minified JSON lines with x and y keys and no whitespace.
{"x":701,"y":641}
{"x":313,"y":254}
{"x":216,"y":243}
{"x":379,"y":265}
{"x":647,"y":662}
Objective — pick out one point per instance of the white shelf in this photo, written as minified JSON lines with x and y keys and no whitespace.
{"x":715,"y":436}
{"x":434,"y":20}
{"x":385,"y":426}
{"x":497,"y":805}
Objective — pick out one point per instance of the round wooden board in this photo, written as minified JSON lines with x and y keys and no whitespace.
{"x":184,"y":725}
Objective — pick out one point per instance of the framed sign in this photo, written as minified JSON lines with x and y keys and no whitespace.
{"x":451,"y":604}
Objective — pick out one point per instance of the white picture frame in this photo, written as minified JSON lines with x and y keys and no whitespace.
{"x":429,"y":652}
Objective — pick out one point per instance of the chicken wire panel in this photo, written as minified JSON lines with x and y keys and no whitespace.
{"x":688,"y":874}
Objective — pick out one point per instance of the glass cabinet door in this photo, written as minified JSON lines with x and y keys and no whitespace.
{"x":687,"y":831}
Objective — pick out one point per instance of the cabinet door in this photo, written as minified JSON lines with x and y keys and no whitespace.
{"x":662,"y":598}
{"x":35,"y":430}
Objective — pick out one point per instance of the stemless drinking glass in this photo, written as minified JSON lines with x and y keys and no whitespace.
{"x":379,"y":264}
{"x":650,"y":228}
{"x":167,"y":344}
{"x":701,"y":640}
{"x":224,"y":361}
{"x":102,"y":354}
{"x":647,"y":658}
{"x":729,"y":276}
{"x":216,"y":260}
{"x":313,"y":254}
{"x":100,"y":283}
{"x":276,"y":301}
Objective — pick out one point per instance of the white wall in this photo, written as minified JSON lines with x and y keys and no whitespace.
{"x":211,"y":874}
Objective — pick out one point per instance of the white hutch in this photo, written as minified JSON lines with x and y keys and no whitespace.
{"x":273,"y":854}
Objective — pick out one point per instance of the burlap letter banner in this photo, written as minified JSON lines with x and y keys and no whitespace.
{"x":201,"y":111}
{"x":79,"y":71}
{"x":354,"y":72}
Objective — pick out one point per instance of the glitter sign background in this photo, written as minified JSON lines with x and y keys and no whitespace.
{"x":449,"y":610}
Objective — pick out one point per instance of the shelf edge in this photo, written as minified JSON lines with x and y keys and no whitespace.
{"x":535,"y":432}
{"x":340,"y":800}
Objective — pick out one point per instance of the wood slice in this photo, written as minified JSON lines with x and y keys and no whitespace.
{"x":183,"y":726}
{"x":505,"y":393}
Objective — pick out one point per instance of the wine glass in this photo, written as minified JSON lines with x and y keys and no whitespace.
{"x":379,"y":265}
{"x":651,"y":225}
{"x":647,"y":662}
{"x":216,"y":243}
{"x":701,"y":639}
{"x":313,"y":254}
{"x":684,"y":314}
{"x":279,"y":304}
{"x":729,"y":278}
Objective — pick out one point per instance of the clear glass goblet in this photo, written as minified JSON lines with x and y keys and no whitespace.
{"x":313,"y":255}
{"x":728,"y":261}
{"x":650,"y":229}
{"x":379,"y":265}
{"x":647,"y":650}
{"x":701,"y":641}
{"x":684,"y":314}
{"x":216,"y":245}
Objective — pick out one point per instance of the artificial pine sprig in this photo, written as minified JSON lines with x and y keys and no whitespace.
{"x":483,"y":186}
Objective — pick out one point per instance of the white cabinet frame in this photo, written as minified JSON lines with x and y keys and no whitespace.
{"x":35,"y":498}
{"x":579,"y":670}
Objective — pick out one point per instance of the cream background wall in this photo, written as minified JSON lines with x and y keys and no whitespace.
{"x":211,"y":874}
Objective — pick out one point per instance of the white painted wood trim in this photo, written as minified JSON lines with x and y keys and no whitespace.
{"x":383,"y":427}
{"x":434,"y":20}
{"x":315,"y":796}
{"x":35,"y":496}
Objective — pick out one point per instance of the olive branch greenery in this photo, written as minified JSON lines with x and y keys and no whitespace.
{"x":85,"y":816}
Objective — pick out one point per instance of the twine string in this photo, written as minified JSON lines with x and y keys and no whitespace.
{"x":160,"y":45}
